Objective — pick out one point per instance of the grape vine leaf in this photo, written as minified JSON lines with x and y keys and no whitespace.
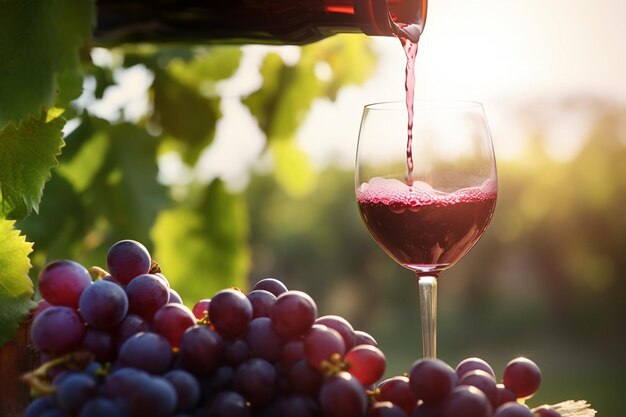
{"x":16,"y":288}
{"x":204,"y":249}
{"x":39,"y":59}
{"x":27,"y":154}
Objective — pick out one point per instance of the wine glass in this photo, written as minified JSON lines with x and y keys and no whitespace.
{"x":426,"y":190}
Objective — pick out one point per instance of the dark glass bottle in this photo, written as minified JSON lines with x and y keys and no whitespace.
{"x":255,"y":21}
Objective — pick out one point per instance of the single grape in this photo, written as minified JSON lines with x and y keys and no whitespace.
{"x":163,"y":279}
{"x":293,"y":314}
{"x":292,"y":351}
{"x":175,"y":297}
{"x":39,"y":406}
{"x":466,"y":401}
{"x":152,"y":397}
{"x":513,"y":409}
{"x":432,"y":380}
{"x":127,"y":259}
{"x":103,"y":305}
{"x":100,"y":407}
{"x":230,"y":312}
{"x":363,"y":338}
{"x":171,"y":321}
{"x":236,"y":352}
{"x":522,"y":376}
{"x":147,"y":351}
{"x":321,"y":344}
{"x":297,"y":406}
{"x":342,"y":326}
{"x":201,"y":350}
{"x":427,"y":410}
{"x":74,"y":391}
{"x":474,"y":364}
{"x":262,"y":302}
{"x":272,"y":285}
{"x":505,"y":395}
{"x":385,"y":409}
{"x":484,"y":382}
{"x":366,"y":363}
{"x":541,"y":412}
{"x":99,"y":343}
{"x":201,"y":308}
{"x":62,"y":282}
{"x":223,"y":379}
{"x":228,"y":404}
{"x":263,"y":340}
{"x":255,"y":379}
{"x":343,"y":396}
{"x":397,"y":391}
{"x":303,"y":379}
{"x":130,"y":326}
{"x":146,"y":294}
{"x":187,"y":389}
{"x":57,"y":330}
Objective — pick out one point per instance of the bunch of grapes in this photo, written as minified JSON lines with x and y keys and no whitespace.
{"x":124,"y":345}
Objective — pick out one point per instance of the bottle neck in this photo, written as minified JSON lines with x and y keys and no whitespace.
{"x":254,"y":21}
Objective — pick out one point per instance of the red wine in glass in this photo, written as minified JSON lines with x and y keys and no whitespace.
{"x":422,"y":229}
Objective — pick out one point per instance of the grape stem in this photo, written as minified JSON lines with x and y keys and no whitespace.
{"x":38,"y":379}
{"x":333,"y":365}
{"x":98,"y":272}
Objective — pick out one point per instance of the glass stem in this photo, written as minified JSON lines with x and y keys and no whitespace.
{"x":428,"y":313}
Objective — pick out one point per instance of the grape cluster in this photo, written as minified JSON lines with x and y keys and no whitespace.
{"x":124,"y":345}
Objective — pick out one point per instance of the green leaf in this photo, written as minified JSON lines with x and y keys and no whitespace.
{"x":204,"y":249}
{"x":16,"y":288}
{"x":125,"y":191}
{"x":288,"y":92}
{"x":39,"y":43}
{"x":27,"y":153}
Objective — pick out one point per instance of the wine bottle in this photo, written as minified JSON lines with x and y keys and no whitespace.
{"x":254,"y":21}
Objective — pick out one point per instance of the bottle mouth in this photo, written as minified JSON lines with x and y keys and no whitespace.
{"x":404,"y":19}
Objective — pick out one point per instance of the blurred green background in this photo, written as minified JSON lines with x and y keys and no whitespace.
{"x":198,"y":152}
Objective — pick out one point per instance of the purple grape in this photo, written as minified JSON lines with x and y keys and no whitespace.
{"x":152,"y":397}
{"x":262,"y":302}
{"x":130,"y":326}
{"x":397,"y":391}
{"x":343,"y":396}
{"x":321,"y":344}
{"x":522,"y":376}
{"x":62,"y":282}
{"x":484,"y":382}
{"x":272,"y":285}
{"x":255,"y":379}
{"x":201,"y":308}
{"x":298,"y":405}
{"x":147,"y":351}
{"x":427,"y":410}
{"x":474,"y":364}
{"x":100,"y":407}
{"x":363,"y":338}
{"x":228,"y":404}
{"x":171,"y":321}
{"x":39,"y":406}
{"x":187,"y":389}
{"x":292,"y":351}
{"x":146,"y":294}
{"x":74,"y":391}
{"x":236,"y":352}
{"x":175,"y":298}
{"x":293,"y":314}
{"x":103,"y":305}
{"x":303,"y":379}
{"x":385,"y":409}
{"x":513,"y":409}
{"x":127,"y":259}
{"x":541,"y":412}
{"x":230,"y":312}
{"x":99,"y":343}
{"x":431,"y":380}
{"x":505,"y":395}
{"x":57,"y":330}
{"x":342,"y":326}
{"x":263,"y":340}
{"x":366,"y":363}
{"x":466,"y":401}
{"x":201,"y":350}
